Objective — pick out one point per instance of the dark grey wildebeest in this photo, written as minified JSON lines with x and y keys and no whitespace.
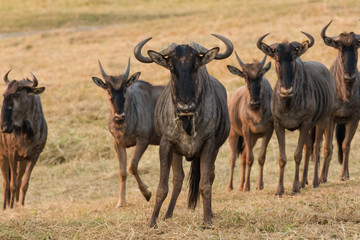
{"x":22,"y":138}
{"x":192,"y":118}
{"x":251,"y":119}
{"x":303,"y":99}
{"x":131,"y":121}
{"x":347,"y":111}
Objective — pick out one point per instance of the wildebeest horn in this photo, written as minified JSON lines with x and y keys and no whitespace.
{"x":310,"y":37}
{"x":239,"y":60}
{"x":137,"y":51}
{"x":103,"y":73}
{"x":35,"y":81}
{"x":229,"y":47}
{"x":327,"y":39}
{"x":259,"y":42}
{"x":263,"y":60}
{"x":166,"y":51}
{"x":6,"y":80}
{"x":127,"y":69}
{"x":228,"y":44}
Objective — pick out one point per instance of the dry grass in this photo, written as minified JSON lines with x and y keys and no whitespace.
{"x":74,"y":187}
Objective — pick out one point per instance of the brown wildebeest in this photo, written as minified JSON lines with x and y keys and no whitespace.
{"x":251,"y":119}
{"x":347,"y":111}
{"x":192,"y":118}
{"x":131,"y":121}
{"x":303,"y":99}
{"x":23,"y":136}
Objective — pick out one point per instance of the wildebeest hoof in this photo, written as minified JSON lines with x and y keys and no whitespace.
{"x":207,"y":225}
{"x":279,"y":191}
{"x":260,"y":186}
{"x":304,"y":183}
{"x":230,"y":188}
{"x":153,"y":224}
{"x":147,"y":195}
{"x":323,"y":180}
{"x":120,"y":204}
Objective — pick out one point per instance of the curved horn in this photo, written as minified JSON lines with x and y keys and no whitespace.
{"x":239,"y":60}
{"x":263,"y":60}
{"x":127,"y":70}
{"x":6,"y":80}
{"x":103,"y":73}
{"x":260,"y":42}
{"x":35,"y":81}
{"x":137,"y":52}
{"x":228,"y":44}
{"x":166,"y":51}
{"x":310,"y":37}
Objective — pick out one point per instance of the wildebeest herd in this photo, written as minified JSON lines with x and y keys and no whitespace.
{"x":190,"y":117}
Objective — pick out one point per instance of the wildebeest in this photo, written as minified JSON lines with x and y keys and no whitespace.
{"x":131,"y":121}
{"x":251,"y":119}
{"x":347,"y":111}
{"x":23,"y":136}
{"x":192,"y":118}
{"x":303,"y":99}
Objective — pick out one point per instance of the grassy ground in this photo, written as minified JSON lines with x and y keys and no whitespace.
{"x":74,"y":187}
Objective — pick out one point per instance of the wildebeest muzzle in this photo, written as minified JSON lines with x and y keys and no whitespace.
{"x":185,"y":109}
{"x":119,"y":117}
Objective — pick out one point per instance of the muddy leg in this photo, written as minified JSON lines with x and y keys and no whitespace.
{"x":318,"y":139}
{"x":280,"y":134}
{"x":249,"y":143}
{"x":262,"y":156}
{"x":233,"y":142}
{"x":163,"y":188}
{"x":141,"y":146}
{"x":349,"y":134}
{"x":308,"y":152}
{"x":328,"y":150}
{"x":121,"y":153}
{"x":178,"y":178}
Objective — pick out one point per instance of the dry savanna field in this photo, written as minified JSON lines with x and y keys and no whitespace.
{"x":74,"y":186}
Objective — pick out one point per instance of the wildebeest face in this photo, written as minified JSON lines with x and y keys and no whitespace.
{"x":253,"y":74}
{"x":348,"y":46}
{"x":15,"y":106}
{"x":285,"y":55}
{"x":116,"y":87}
{"x":184,"y":63}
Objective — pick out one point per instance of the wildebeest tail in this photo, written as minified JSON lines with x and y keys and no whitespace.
{"x":240,"y":145}
{"x":340,"y":136}
{"x":194,"y":180}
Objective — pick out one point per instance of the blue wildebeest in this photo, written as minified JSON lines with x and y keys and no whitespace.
{"x":22,"y":138}
{"x":347,"y":111}
{"x":251,"y":119}
{"x":303,"y":99}
{"x":192,"y":118}
{"x":131,"y":121}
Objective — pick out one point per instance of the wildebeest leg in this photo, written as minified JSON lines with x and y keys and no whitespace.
{"x":121,"y":153}
{"x":233,"y":142}
{"x":308,"y":152}
{"x":141,"y":146}
{"x":349,"y":134}
{"x":5,"y":168}
{"x":249,"y":143}
{"x":178,"y":178}
{"x":280,"y":134}
{"x":318,"y":139}
{"x":163,"y":188}
{"x":303,"y":137}
{"x":242,"y":169}
{"x":20,"y":174}
{"x":207,"y":159}
{"x":262,"y":156}
{"x":328,"y":150}
{"x":25,"y":183}
{"x":13,"y":179}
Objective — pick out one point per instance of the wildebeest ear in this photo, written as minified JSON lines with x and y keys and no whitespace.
{"x":99,"y":82}
{"x":267,"y":67}
{"x":133,"y":79}
{"x":158,"y":58}
{"x":209,"y":56}
{"x":302,"y":48}
{"x":37,"y":90}
{"x":267,"y":50}
{"x":236,"y":71}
